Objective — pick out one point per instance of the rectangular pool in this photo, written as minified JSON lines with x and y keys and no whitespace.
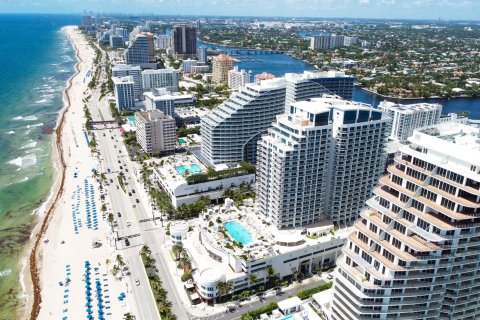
{"x":238,"y":232}
{"x":131,"y":119}
{"x":191,"y":168}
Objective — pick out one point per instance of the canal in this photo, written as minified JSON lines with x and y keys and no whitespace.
{"x":279,"y":64}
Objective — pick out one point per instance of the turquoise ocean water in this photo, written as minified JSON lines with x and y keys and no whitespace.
{"x":36,"y":60}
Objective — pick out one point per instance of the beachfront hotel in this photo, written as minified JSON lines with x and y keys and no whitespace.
{"x":141,"y":52}
{"x":310,"y":84}
{"x":165,"y":101}
{"x":221,"y":65}
{"x":321,"y":159}
{"x":229,"y":244}
{"x":231,"y":131}
{"x":161,"y":78}
{"x":125,"y":70}
{"x":156,"y":132}
{"x":404,"y":118}
{"x":415,"y":251}
{"x":124,"y":91}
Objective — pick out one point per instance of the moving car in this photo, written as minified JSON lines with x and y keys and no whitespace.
{"x":128,"y":223}
{"x":137,"y":282}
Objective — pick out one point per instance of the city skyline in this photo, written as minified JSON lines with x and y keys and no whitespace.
{"x":370,"y":9}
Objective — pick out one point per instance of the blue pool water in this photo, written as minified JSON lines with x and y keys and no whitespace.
{"x":191,"y":168}
{"x":288,"y":317}
{"x":238,"y":232}
{"x":131,"y":119}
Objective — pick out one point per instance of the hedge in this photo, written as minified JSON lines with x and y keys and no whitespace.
{"x":257,"y":312}
{"x":307,"y":293}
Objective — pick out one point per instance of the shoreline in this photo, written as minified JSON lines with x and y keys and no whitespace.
{"x":386,"y":97}
{"x":31,"y":279}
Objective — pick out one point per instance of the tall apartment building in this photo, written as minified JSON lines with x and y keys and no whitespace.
{"x":404,"y":118}
{"x":122,"y":32}
{"x":156,"y":132}
{"x":322,"y":158}
{"x":202,"y":54}
{"x":327,"y":41}
{"x":312,"y":84}
{"x":125,"y":70}
{"x":116,"y":41}
{"x":141,"y":52}
{"x":415,"y":251}
{"x":161,"y":78}
{"x":231,"y":131}
{"x":221,"y":65}
{"x":349,"y":41}
{"x":188,"y":64}
{"x":185,"y":39}
{"x":124,"y":92}
{"x":320,"y":42}
{"x":86,"y":21}
{"x":163,"y":41}
{"x":163,"y":100}
{"x":237,"y":78}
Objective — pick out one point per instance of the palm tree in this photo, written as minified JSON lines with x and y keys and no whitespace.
{"x":221,"y":288}
{"x":165,"y":307}
{"x":177,"y":250}
{"x":115,"y":270}
{"x":185,"y":264}
{"x":145,"y":252}
{"x":270,"y":274}
{"x":228,"y":286}
{"x":110,"y":219}
{"x":104,"y":207}
{"x":128,"y":316}
{"x":107,"y":262}
{"x":119,"y":260}
{"x":252,"y":278}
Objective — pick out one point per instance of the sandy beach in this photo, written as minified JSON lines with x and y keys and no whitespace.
{"x":63,"y":262}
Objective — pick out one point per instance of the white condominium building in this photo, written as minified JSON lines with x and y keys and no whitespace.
{"x":292,"y":166}
{"x":322,"y":158}
{"x":125,"y":70}
{"x":156,"y":132}
{"x":165,"y":101}
{"x":188,"y":64}
{"x":161,"y":78}
{"x":221,"y":64}
{"x":124,"y":92}
{"x":230,"y":132}
{"x":404,"y":118}
{"x":415,"y":251}
{"x":237,"y":79}
{"x":310,"y":84}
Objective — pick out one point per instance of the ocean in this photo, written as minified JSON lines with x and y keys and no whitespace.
{"x":36,"y":60}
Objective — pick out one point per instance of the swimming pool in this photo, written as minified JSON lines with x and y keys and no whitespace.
{"x":238,"y":232}
{"x":131,"y":119}
{"x":290,"y":317}
{"x":191,"y":168}
{"x":181,"y":141}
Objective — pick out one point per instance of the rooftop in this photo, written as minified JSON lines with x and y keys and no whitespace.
{"x":224,"y":57}
{"x":293,"y":77}
{"x":410,"y":108}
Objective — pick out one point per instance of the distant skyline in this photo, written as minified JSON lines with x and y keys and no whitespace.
{"x":379,"y":9}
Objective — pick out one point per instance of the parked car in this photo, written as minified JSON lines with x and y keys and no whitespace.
{"x":330,"y":276}
{"x":137,"y":282}
{"x":119,"y":214}
{"x":133,"y":190}
{"x":127,"y":242}
{"x":138,"y":201}
{"x":128,"y":223}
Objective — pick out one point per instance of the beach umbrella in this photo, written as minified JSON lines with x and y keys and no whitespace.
{"x":88,"y":293}
{"x":89,"y":310}
{"x":88,"y":305}
{"x":89,"y":316}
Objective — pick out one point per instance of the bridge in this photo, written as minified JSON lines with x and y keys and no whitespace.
{"x":237,"y":52}
{"x":105,"y":124}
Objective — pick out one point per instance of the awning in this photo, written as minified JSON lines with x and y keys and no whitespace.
{"x":194,"y":297}
{"x":189,"y":286}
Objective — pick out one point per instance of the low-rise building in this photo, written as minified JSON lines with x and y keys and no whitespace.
{"x":165,"y":101}
{"x":174,"y":179}
{"x":230,"y":244}
{"x":156,"y":132}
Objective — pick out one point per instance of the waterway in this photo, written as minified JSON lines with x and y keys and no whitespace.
{"x":279,"y":64}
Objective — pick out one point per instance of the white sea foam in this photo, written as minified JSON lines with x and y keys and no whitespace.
{"x":11,"y":132}
{"x":27,"y":118}
{"x":25,"y":161}
{"x":34,"y":125}
{"x":29,"y":145}
{"x":40,"y":101}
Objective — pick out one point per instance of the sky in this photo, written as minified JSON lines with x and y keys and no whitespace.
{"x":381,"y":9}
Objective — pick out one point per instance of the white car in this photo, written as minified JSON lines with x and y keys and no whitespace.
{"x":137,"y":282}
{"x":128,"y":223}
